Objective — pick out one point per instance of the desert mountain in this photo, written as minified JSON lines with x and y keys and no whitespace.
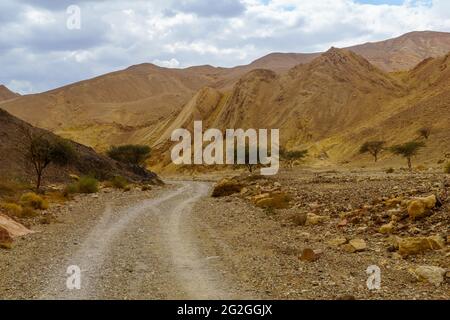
{"x":332,"y":105}
{"x":13,"y":165}
{"x":317,"y":99}
{"x":6,"y":94}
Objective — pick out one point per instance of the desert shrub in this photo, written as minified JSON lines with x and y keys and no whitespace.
{"x":119,"y":182}
{"x":32,"y":200}
{"x":70,"y":189}
{"x":447,"y":168}
{"x":390,"y":170}
{"x":12,"y":209}
{"x":87,"y":185}
{"x":28,"y":212}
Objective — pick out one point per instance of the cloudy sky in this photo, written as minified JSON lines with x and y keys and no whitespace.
{"x":41,"y":46}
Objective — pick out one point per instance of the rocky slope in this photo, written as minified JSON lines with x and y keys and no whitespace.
{"x":6,"y":94}
{"x":13,"y":165}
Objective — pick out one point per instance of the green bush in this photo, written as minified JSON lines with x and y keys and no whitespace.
{"x":70,"y":189}
{"x":87,"y":185}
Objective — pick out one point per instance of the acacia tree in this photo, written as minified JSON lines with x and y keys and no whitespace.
{"x":42,"y":150}
{"x":291,"y":156}
{"x":135,"y":155}
{"x":408,"y":150}
{"x":424,"y":132}
{"x":372,"y":147}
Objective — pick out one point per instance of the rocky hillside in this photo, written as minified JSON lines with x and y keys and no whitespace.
{"x":6,"y":94}
{"x":13,"y":165}
{"x":332,"y":105}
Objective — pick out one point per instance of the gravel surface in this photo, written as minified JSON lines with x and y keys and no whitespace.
{"x":176,"y":242}
{"x":134,"y":245}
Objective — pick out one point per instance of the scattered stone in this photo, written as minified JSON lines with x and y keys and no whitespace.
{"x":310,"y":255}
{"x":314,"y":219}
{"x":430,"y":274}
{"x":387,"y":228}
{"x":355,"y":245}
{"x":418,"y":245}
{"x":339,"y":241}
{"x":420,"y":207}
{"x":276,"y":200}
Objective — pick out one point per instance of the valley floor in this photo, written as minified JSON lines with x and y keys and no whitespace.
{"x":176,"y":242}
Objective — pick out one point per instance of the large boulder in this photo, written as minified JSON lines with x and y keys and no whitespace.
{"x":430,"y":274}
{"x":13,"y":227}
{"x":418,"y":245}
{"x":6,"y":239}
{"x":420,"y":207}
{"x":275,"y":200}
{"x":226,"y":187}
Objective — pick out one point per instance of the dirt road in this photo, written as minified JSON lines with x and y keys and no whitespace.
{"x":143,"y":250}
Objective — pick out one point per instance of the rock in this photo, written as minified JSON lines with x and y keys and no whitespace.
{"x":226,"y":187}
{"x":393,"y":202}
{"x":417,"y":210}
{"x":355,"y":245}
{"x":276,"y":200}
{"x":430,"y":274}
{"x":299,"y":218}
{"x":14,"y":228}
{"x":420,"y":207}
{"x":6,"y":239}
{"x":314,"y":219}
{"x":418,"y":245}
{"x":336,"y":242}
{"x":387,"y":228}
{"x":74,"y":177}
{"x":310,"y":255}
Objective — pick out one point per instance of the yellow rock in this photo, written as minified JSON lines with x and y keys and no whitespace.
{"x":314,"y":219}
{"x":420,"y":207}
{"x":387,"y":228}
{"x":276,"y":200}
{"x":418,"y":245}
{"x":339,"y":241}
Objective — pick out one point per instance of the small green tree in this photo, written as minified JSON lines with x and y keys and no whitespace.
{"x":135,"y":155}
{"x":291,"y":156}
{"x":372,"y":147}
{"x":424,"y":132}
{"x":42,"y":150}
{"x":408,"y":150}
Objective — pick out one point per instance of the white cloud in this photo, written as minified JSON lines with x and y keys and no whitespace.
{"x":172,"y":63}
{"x":115,"y":34}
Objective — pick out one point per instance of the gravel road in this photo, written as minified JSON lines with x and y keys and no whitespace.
{"x":131,"y":247}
